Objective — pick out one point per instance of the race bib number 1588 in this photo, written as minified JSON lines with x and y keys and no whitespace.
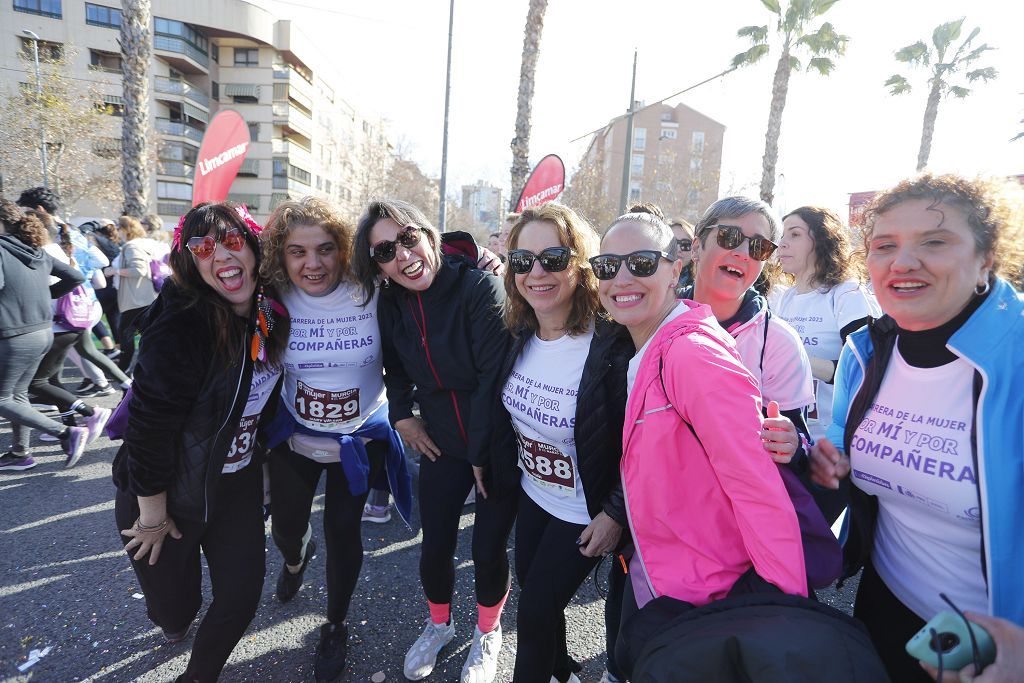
{"x":325,"y":407}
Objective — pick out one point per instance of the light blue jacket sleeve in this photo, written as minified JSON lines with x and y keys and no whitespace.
{"x":845,"y":385}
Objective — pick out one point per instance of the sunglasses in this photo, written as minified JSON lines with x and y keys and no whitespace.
{"x":731,"y":236}
{"x":685,"y":243}
{"x":552,"y":259}
{"x":203,"y":247}
{"x":642,"y":263}
{"x":385,"y":250}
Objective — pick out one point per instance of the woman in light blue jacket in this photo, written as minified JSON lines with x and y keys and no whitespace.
{"x":927,"y":415}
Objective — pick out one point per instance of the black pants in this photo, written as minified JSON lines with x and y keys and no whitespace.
{"x":617,"y":579}
{"x":293,"y":482}
{"x":890,"y":624}
{"x":444,"y":485}
{"x":550,"y":568}
{"x":233,"y":542}
{"x":46,"y":384}
{"x":126,"y":330}
{"x":108,"y":302}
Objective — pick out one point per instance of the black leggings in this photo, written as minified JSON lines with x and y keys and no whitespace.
{"x":126,"y":336}
{"x":233,"y":542}
{"x":293,"y":482}
{"x":890,"y":624}
{"x":46,"y":384}
{"x":550,"y":568}
{"x":617,"y":579}
{"x":444,"y":485}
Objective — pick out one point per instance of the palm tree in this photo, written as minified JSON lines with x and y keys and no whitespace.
{"x":521,"y":142}
{"x":136,"y":49}
{"x":945,"y":68}
{"x":796,"y":35}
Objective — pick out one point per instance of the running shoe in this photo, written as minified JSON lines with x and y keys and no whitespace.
{"x":482,"y":663}
{"x":573,"y":678}
{"x":172,"y":638}
{"x":422,"y":656}
{"x":112,"y":354}
{"x":97,"y":421}
{"x":378,"y":514}
{"x":331,"y":653}
{"x":608,"y":677}
{"x":73,"y":444}
{"x":48,"y":438}
{"x":288,"y":584}
{"x":16,"y":462}
{"x":86,"y":389}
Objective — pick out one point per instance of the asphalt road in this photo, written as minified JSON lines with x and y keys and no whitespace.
{"x":66,"y":585}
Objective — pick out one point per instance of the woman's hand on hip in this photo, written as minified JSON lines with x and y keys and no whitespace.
{"x":413,"y":431}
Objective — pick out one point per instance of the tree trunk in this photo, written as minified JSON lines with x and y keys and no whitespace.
{"x":136,"y":50}
{"x":521,"y":142}
{"x":780,"y":88}
{"x":931,"y":112}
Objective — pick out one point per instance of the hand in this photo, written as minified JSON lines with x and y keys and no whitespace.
{"x":478,"y":472}
{"x":779,"y":435}
{"x":413,"y":431}
{"x":149,"y":540}
{"x":828,"y":464}
{"x":1009,"y":664}
{"x":489,"y":261}
{"x":600,"y":537}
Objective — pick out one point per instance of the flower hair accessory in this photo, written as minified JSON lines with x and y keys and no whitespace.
{"x":240,"y":209}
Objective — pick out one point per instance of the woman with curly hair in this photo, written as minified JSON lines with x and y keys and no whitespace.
{"x":135,"y":289}
{"x":26,"y":331}
{"x":826,"y":302}
{"x":927,"y":416}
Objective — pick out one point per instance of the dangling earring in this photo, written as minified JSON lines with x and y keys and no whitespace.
{"x":265,"y":323}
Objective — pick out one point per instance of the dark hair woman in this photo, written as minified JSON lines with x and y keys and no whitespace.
{"x":29,"y":279}
{"x":927,"y":417}
{"x":189,"y":466}
{"x":444,"y":343}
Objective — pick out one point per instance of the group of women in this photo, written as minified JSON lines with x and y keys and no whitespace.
{"x":589,"y":405}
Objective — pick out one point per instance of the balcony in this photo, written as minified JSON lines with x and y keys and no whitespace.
{"x":252,"y":201}
{"x":183,"y":130}
{"x":250,"y":168}
{"x":181,"y":54}
{"x":178,"y":169}
{"x":167,"y":207}
{"x":295,"y":188}
{"x":293,"y":120}
{"x":181,"y":88}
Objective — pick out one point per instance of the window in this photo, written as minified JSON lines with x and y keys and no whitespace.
{"x":319,"y":183}
{"x":327,"y":186}
{"x":48,"y":51}
{"x":636,"y":166}
{"x":111,"y":104}
{"x":669,"y":133}
{"x":99,"y":15}
{"x":247,"y":56}
{"x":46,"y":8}
{"x":640,"y":139}
{"x":245,"y":99}
{"x":697,"y":142}
{"x":296,"y":173}
{"x":105,"y":61}
{"x":254,"y":131}
{"x":177,"y":29}
{"x":177,"y":151}
{"x":215,"y":52}
{"x":634,"y":191}
{"x":215,"y":91}
{"x":167,"y":190}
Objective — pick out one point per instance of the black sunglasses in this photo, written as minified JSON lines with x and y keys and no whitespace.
{"x":731,"y":236}
{"x":685,"y":243}
{"x":385,"y":250}
{"x":643,"y":263}
{"x":552,"y":259}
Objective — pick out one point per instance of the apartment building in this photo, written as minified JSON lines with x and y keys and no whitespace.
{"x":675,"y":159}
{"x":209,"y":56}
{"x":483,"y":203}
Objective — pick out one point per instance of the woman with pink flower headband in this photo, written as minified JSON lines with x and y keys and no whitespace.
{"x":188,"y":473}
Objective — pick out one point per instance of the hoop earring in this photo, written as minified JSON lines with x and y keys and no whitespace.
{"x":984,"y":289}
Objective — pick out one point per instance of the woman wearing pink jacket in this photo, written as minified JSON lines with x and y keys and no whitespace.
{"x":706,"y":505}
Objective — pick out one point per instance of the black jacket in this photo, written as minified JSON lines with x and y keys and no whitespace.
{"x":185,"y":408}
{"x":600,"y":415}
{"x":25,"y":290}
{"x":452,"y":370}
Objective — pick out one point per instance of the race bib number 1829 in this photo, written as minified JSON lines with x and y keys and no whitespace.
{"x":325,"y":407}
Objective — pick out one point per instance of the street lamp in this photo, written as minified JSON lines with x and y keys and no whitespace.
{"x":39,"y":104}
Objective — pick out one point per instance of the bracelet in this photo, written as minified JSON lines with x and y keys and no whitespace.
{"x":139,"y":526}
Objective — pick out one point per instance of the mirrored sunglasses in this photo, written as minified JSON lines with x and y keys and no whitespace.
{"x":552,"y":259}
{"x":643,"y":263}
{"x":731,"y":236}
{"x":203,"y":247}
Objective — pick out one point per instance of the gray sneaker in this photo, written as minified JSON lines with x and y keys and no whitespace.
{"x":422,"y":656}
{"x":378,"y":514}
{"x":482,"y":663}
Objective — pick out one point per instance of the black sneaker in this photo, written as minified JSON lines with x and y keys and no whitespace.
{"x":288,"y":584}
{"x":331,"y":652}
{"x":16,"y":462}
{"x":112,"y":354}
{"x":86,"y":389}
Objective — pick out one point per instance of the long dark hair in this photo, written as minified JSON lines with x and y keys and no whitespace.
{"x":832,"y":262}
{"x":230,"y":329}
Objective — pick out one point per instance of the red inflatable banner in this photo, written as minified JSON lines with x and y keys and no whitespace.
{"x":545,"y":183}
{"x":220,"y":156}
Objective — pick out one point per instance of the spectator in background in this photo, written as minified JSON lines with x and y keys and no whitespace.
{"x":106,"y":238}
{"x":41,"y":199}
{"x":506,"y":228}
{"x":494,"y":242}
{"x":135,"y":291}
{"x":683,"y":233}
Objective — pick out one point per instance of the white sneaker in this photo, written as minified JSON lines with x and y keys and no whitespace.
{"x":607,"y":677}
{"x":573,"y":678}
{"x":97,"y":421}
{"x":482,"y":663}
{"x":422,"y":656}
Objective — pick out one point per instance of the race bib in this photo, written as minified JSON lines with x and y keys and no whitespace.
{"x":325,"y":407}
{"x":548,"y":466}
{"x":241,"y":447}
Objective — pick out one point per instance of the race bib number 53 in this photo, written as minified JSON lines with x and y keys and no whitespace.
{"x":548,"y":466}
{"x":325,"y":407}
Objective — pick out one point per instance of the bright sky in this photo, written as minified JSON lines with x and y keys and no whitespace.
{"x":841,"y":134}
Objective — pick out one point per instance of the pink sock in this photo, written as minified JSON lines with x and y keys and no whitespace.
{"x":440,"y":613}
{"x":488,"y":618}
